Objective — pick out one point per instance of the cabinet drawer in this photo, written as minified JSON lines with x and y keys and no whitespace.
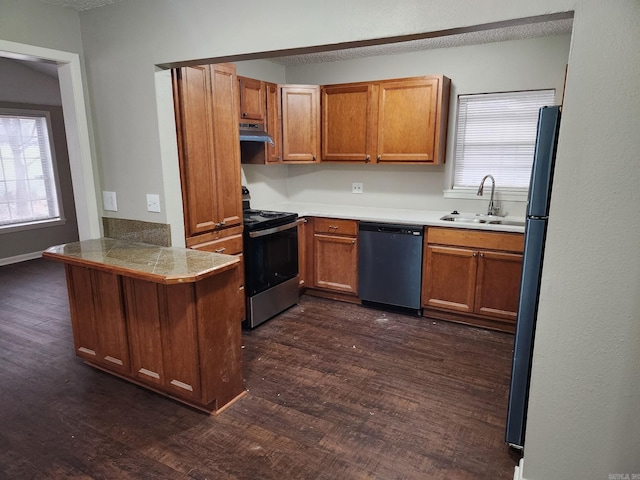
{"x":335,"y":226}
{"x":460,"y":237}
{"x":231,"y":245}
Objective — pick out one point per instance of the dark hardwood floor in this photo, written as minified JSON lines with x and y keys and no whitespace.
{"x":335,"y":391}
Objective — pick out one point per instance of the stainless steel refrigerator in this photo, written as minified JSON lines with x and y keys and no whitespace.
{"x":535,"y":233}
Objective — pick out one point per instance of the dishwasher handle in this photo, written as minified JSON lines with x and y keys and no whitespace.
{"x":415,"y":230}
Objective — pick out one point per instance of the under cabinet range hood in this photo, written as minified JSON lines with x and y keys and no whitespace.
{"x":254,"y":132}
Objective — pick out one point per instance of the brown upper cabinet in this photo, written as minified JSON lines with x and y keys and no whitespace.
{"x":390,"y":121}
{"x":300,"y":125}
{"x":252,"y":99}
{"x":273,"y":124}
{"x":206,"y":104}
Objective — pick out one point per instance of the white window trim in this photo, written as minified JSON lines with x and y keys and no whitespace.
{"x":60,"y":220}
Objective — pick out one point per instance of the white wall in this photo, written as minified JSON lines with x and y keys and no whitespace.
{"x":584,"y":413}
{"x":495,"y":67}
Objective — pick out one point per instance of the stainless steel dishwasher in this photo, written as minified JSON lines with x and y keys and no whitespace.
{"x":390,"y":264}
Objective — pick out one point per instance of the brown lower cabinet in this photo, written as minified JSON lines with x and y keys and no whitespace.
{"x":335,"y":256}
{"x":472,"y":276}
{"x":178,"y":339}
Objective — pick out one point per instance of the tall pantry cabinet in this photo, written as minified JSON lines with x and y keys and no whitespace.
{"x":207,"y":111}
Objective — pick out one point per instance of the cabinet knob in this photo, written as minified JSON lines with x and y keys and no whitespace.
{"x":379,"y":157}
{"x":475,"y":254}
{"x":482,"y":255}
{"x":314,"y":158}
{"x":367,"y":159}
{"x":223,"y":223}
{"x":244,"y":114}
{"x":217,"y":225}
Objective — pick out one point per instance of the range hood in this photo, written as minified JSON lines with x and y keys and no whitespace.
{"x":254,"y":132}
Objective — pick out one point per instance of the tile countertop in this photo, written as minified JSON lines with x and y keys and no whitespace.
{"x":166,"y":265}
{"x":389,"y":215}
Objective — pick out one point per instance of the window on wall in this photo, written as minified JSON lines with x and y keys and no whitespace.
{"x":496,"y":134}
{"x":29,"y":193}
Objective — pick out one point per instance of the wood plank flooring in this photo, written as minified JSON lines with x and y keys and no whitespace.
{"x":335,"y":391}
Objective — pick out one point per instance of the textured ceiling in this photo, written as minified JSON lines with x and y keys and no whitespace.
{"x":80,"y":4}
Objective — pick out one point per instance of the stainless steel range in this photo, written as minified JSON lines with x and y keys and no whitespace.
{"x":271,"y":263}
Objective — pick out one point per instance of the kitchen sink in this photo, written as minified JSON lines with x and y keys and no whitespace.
{"x":481,"y":218}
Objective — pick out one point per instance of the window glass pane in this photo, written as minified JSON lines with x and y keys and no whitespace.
{"x":496,"y":135}
{"x":28,"y":190}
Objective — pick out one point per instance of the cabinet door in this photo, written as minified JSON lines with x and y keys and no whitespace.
{"x":300,"y":123}
{"x":143,"y":313}
{"x":97,"y":316}
{"x":336,"y":263}
{"x":252,"y":99}
{"x":407,"y":120}
{"x":273,"y":124}
{"x":450,"y":278}
{"x":195,"y":139}
{"x":226,"y":144}
{"x":163,"y":335}
{"x":347,"y":122}
{"x":498,"y":284}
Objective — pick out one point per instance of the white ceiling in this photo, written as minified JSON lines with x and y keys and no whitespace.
{"x":80,"y":4}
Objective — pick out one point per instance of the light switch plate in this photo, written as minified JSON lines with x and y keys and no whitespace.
{"x":109,"y":201}
{"x":153,"y":202}
{"x":357,"y":187}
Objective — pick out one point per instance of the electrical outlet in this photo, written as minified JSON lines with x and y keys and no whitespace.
{"x":109,"y":201}
{"x":357,"y":187}
{"x":153,"y":202}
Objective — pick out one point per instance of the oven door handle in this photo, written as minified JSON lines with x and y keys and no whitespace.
{"x":269,"y":231}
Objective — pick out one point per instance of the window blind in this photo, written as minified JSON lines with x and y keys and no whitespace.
{"x":28,"y":190}
{"x":496,"y":134}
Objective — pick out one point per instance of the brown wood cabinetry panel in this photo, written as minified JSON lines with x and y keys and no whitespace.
{"x":193,"y":116}
{"x":226,"y":144}
{"x":110,"y":322}
{"x":300,"y":123}
{"x":273,"y":124}
{"x":450,"y":278}
{"x":218,"y":309}
{"x":348,"y":122}
{"x":303,"y":233}
{"x":231,"y":245}
{"x":206,"y":103}
{"x":179,"y":340}
{"x":335,"y":226}
{"x":504,"y":241}
{"x":252,"y":99}
{"x":407,"y":119}
{"x":97,"y":316}
{"x":85,"y":335}
{"x":143,"y":314}
{"x":498,"y":284}
{"x":336,"y":263}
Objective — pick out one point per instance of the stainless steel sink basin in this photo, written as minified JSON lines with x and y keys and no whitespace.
{"x":480,"y":218}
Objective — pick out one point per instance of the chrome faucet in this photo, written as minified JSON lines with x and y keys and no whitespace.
{"x":492,"y":210}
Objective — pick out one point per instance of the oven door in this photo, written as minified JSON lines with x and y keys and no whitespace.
{"x":271,"y":257}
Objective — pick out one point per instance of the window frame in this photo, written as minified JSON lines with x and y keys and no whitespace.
{"x":469,"y":192}
{"x":49,"y":222}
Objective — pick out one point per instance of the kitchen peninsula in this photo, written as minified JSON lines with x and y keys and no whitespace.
{"x":167,"y":319}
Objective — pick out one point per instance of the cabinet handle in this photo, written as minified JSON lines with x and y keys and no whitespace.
{"x":244,"y":114}
{"x":475,"y":254}
{"x":217,"y":225}
{"x":367,"y":159}
{"x":314,"y":158}
{"x":482,"y":255}
{"x":220,"y":250}
{"x":353,"y":242}
{"x":333,"y":227}
{"x":222,"y":224}
{"x":379,"y":157}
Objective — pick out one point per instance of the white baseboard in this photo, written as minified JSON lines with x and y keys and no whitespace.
{"x":20,"y":258}
{"x":517,"y":474}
